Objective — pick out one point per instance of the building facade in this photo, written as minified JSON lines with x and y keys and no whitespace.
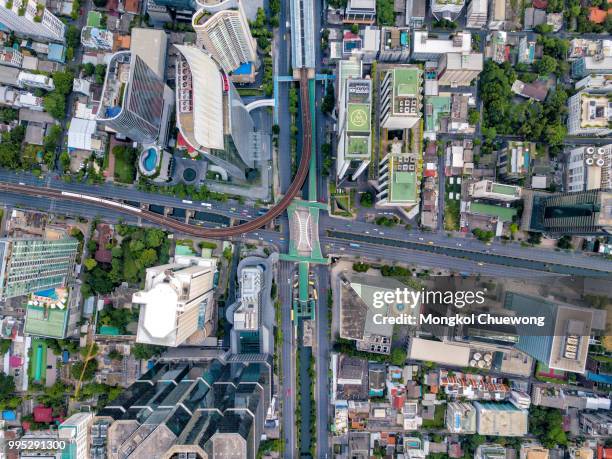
{"x":75,"y":430}
{"x":26,"y":18}
{"x":30,"y":265}
{"x":177,"y":301}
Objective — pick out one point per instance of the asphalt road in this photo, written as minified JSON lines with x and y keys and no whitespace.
{"x":288,"y":358}
{"x":322,"y":360}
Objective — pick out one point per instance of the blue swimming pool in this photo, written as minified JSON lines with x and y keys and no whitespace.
{"x":150,"y":160}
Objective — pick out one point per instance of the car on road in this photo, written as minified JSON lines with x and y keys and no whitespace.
{"x":420,"y":239}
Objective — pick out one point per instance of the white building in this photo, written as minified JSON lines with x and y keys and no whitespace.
{"x":31,"y":80}
{"x":589,"y":168}
{"x":30,"y":19}
{"x":247,"y":314}
{"x":596,"y":82}
{"x":476,"y":15}
{"x":177,"y":301}
{"x":447,"y":9}
{"x":81,"y":135}
{"x":520,"y":399}
{"x":76,"y":429}
{"x":20,"y":99}
{"x":360,"y":11}
{"x":227,"y":36}
{"x":460,"y":417}
{"x":430,"y":48}
{"x":487,"y":189}
{"x":459,"y":69}
{"x":589,"y":114}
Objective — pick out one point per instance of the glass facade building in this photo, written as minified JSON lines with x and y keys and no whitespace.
{"x":209,"y":409}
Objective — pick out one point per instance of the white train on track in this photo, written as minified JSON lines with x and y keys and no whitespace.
{"x":102,"y":201}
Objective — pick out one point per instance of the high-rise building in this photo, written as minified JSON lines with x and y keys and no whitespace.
{"x":227,"y":37}
{"x":211,"y":117}
{"x":31,"y":265}
{"x":476,"y":15}
{"x":205,"y":409}
{"x":355,"y":144}
{"x":584,"y":212}
{"x":589,"y":113}
{"x":562,"y":343}
{"x":135,"y":101}
{"x":30,"y":19}
{"x":589,"y":168}
{"x":459,"y":69}
{"x":75,"y":431}
{"x":177,"y":301}
{"x":447,"y":9}
{"x":247,"y":336}
{"x":400,"y":97}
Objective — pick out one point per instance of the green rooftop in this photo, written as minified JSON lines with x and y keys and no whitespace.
{"x":500,"y":188}
{"x":503,"y":213}
{"x":350,"y":69}
{"x":49,"y":322}
{"x":402,"y":187}
{"x":358,"y":147}
{"x":94,"y":19}
{"x":359,"y":118}
{"x":406,"y":82}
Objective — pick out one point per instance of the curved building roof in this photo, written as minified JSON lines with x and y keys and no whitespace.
{"x":207,"y":89}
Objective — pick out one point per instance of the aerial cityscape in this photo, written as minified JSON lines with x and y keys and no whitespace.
{"x":330,"y":229}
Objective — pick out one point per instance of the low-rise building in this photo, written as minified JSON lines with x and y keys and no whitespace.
{"x":459,"y":69}
{"x":93,"y":38}
{"x":461,"y":418}
{"x":476,"y":15}
{"x":360,"y":11}
{"x":427,"y":47}
{"x":533,"y":451}
{"x":501,"y":419}
{"x":598,"y":424}
{"x":447,"y":9}
{"x":534,"y":91}
{"x":487,"y":189}
{"x":514,"y":160}
{"x":415,"y":13}
{"x":38,"y":81}
{"x":10,"y":57}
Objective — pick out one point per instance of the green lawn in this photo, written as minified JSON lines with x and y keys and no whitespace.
{"x":38,"y":362}
{"x":451,"y":215}
{"x":125,"y":164}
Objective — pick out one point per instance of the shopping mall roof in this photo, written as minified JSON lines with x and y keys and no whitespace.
{"x":207,"y":97}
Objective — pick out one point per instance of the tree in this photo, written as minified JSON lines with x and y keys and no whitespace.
{"x":146,"y":351}
{"x":384,"y":12}
{"x":52,"y":138}
{"x":9,"y":153}
{"x":473,"y":116}
{"x":366,"y":199}
{"x":329,"y":100}
{"x":355,"y":28}
{"x":63,"y":82}
{"x":100,"y":73}
{"x":398,"y":356}
{"x":89,"y":69}
{"x":76,"y":369}
{"x":565,"y":242}
{"x":55,"y":104}
{"x":546,"y":65}
{"x":360,"y":267}
{"x":73,"y":36}
{"x":90,"y":264}
{"x":547,"y":425}
{"x":554,"y":134}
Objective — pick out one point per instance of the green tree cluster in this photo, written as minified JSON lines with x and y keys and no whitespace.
{"x":55,"y":101}
{"x":140,"y":248}
{"x":547,"y":425}
{"x":384,"y":12}
{"x":146,"y":351}
{"x":10,"y":147}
